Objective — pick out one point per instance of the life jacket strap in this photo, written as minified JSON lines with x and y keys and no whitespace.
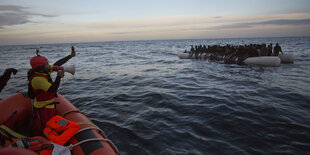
{"x":55,"y":103}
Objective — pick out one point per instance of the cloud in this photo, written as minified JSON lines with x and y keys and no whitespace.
{"x":14,"y":8}
{"x":167,"y":22}
{"x":195,"y":22}
{"x":286,"y":22}
{"x":14,"y":15}
{"x":12,"y":18}
{"x":293,"y":22}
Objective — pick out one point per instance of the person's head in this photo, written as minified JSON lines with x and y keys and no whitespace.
{"x":40,"y":63}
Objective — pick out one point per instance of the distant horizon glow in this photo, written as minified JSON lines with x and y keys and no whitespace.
{"x":43,"y":22}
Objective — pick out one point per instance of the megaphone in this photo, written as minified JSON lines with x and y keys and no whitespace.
{"x":70,"y":69}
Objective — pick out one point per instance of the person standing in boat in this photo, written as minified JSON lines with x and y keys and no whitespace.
{"x":269,"y":50}
{"x":277,"y":49}
{"x":6,"y":76}
{"x":197,"y":50}
{"x":42,"y":88}
{"x":192,"y":50}
{"x":263,"y":50}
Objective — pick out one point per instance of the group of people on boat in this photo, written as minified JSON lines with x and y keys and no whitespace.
{"x":47,"y":127}
{"x":233,"y":53}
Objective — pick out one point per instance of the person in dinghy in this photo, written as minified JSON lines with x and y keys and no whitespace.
{"x":277,"y":49}
{"x":42,"y":89}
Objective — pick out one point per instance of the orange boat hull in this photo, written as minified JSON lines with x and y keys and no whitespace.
{"x":16,"y":113}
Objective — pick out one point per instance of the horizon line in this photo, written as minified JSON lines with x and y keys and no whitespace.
{"x":29,"y":44}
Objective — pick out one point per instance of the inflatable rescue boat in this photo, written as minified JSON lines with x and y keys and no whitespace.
{"x":16,"y":119}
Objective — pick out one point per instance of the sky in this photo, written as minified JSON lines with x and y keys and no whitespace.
{"x":71,"y":21}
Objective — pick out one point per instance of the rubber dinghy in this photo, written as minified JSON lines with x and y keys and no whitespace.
{"x":287,"y":58}
{"x":16,"y":116}
{"x":272,"y":61}
{"x":185,"y":56}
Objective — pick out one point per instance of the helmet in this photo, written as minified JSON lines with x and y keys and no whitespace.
{"x":38,"y":61}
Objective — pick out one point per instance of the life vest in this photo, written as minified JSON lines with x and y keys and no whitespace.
{"x":59,"y":130}
{"x":41,"y":95}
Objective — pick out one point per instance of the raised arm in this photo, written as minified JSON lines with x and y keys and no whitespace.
{"x":6,"y":76}
{"x":65,"y":59}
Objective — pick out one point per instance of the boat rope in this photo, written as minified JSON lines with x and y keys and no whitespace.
{"x":3,"y":134}
{"x":71,"y":146}
{"x":99,"y":130}
{"x":10,"y":131}
{"x":72,"y":111}
{"x":88,"y":123}
{"x":101,"y":133}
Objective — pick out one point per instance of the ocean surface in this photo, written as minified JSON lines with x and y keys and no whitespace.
{"x":148,"y":101}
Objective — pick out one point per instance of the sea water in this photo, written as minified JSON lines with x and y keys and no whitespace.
{"x":148,"y":101}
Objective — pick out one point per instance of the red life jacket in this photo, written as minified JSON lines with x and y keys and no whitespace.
{"x":59,"y":130}
{"x":41,"y":95}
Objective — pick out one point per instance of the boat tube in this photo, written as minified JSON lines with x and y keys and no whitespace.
{"x":184,"y":56}
{"x":262,"y":60}
{"x":17,"y":115}
{"x":287,"y":58}
{"x":272,"y":61}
